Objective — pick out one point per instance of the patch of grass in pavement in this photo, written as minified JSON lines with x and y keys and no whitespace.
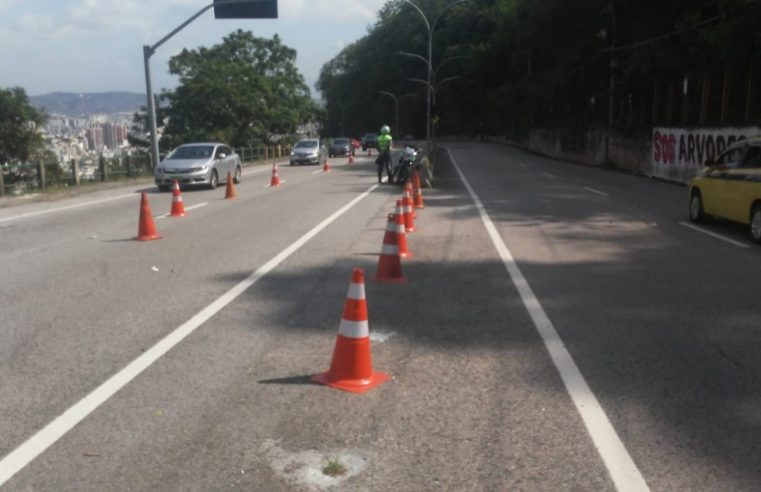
{"x":334,"y":468}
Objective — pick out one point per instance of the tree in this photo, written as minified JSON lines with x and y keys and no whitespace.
{"x":241,"y":92}
{"x":19,"y":121}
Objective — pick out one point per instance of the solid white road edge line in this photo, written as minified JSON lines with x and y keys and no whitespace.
{"x":624,"y":473}
{"x":40,"y":441}
{"x":596,"y":191}
{"x":68,"y":207}
{"x":713,"y":234}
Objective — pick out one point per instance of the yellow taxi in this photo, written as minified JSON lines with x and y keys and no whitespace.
{"x":730,"y":187}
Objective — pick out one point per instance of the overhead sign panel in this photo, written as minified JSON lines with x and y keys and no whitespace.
{"x":245,"y":9}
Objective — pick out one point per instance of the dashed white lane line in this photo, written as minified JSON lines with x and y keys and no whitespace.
{"x":40,"y":441}
{"x":713,"y":234}
{"x":548,"y":175}
{"x":623,"y":471}
{"x":187,"y":209}
{"x":67,"y":207}
{"x":592,"y":190}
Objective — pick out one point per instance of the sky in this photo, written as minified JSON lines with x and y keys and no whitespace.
{"x":86,"y":46}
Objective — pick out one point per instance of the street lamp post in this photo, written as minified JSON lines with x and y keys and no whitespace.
{"x":149,"y":51}
{"x":396,"y":109}
{"x":431,"y":26}
{"x":434,"y":87}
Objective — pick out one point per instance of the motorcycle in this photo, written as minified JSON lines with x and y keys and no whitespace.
{"x":402,"y":171}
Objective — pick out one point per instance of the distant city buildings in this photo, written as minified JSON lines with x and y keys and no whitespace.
{"x":79,"y":137}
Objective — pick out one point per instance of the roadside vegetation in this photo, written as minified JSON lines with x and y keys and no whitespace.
{"x":503,"y":67}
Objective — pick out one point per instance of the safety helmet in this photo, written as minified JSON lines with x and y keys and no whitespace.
{"x":385,"y":130}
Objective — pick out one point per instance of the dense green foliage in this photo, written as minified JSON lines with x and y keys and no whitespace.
{"x":242,"y":92}
{"x":19,"y":121}
{"x":523,"y":64}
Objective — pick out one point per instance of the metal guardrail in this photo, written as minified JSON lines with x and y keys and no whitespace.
{"x":36,"y":176}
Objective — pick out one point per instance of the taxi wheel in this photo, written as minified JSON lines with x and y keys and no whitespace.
{"x":755,"y":223}
{"x":696,"y":207}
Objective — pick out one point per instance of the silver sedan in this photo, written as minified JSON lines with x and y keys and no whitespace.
{"x":205,"y":164}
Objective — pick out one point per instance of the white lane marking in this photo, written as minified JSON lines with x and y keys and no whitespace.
{"x":264,"y":167}
{"x":596,"y":191}
{"x":40,"y":441}
{"x":713,"y":234}
{"x":318,"y":171}
{"x":67,"y":207}
{"x":548,"y":175}
{"x":187,"y":209}
{"x":624,"y":472}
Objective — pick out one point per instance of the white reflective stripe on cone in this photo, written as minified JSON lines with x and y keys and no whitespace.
{"x":356,"y":292}
{"x":400,"y":229}
{"x":354,"y":329}
{"x":389,"y":249}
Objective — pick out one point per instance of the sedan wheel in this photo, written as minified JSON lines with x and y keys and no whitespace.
{"x":755,"y":224}
{"x":238,"y":174}
{"x":696,"y":207}
{"x":214,"y":180}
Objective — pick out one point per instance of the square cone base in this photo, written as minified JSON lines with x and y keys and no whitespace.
{"x":397,"y":280}
{"x":149,"y":237}
{"x":352,"y":385}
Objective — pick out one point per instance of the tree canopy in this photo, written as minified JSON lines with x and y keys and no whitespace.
{"x":521,"y":64}
{"x":241,"y":92}
{"x":19,"y":121}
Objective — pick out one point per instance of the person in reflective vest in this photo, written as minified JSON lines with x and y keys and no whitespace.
{"x":384,"y":153}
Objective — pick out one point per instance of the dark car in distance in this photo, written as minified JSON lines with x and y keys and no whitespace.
{"x":340,"y":146}
{"x":370,"y":141}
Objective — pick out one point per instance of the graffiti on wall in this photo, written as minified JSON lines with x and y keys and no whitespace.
{"x":678,"y":153}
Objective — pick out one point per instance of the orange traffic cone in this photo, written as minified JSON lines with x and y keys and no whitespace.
{"x":178,"y":209}
{"x":230,"y":192}
{"x":146,"y":230}
{"x":409,"y":222}
{"x":351,"y":368}
{"x":389,"y":263}
{"x":325,"y":166}
{"x":407,"y":190}
{"x":417,"y":197}
{"x":401,"y":236}
{"x":275,"y":181}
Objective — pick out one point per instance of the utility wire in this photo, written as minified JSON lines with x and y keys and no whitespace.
{"x":664,"y":36}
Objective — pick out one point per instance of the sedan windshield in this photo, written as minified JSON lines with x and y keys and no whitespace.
{"x":341,"y":141}
{"x":307,"y":144}
{"x":192,"y":152}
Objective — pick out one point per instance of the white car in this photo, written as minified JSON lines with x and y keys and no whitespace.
{"x":307,"y":151}
{"x":205,"y":164}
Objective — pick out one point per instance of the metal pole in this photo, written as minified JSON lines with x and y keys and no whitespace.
{"x":431,"y":27}
{"x":148,"y":51}
{"x":396,"y":118}
{"x":430,"y":74}
{"x":612,"y":83}
{"x":154,"y":148}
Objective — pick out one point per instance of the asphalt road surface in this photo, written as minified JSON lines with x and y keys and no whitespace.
{"x":562,"y":329}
